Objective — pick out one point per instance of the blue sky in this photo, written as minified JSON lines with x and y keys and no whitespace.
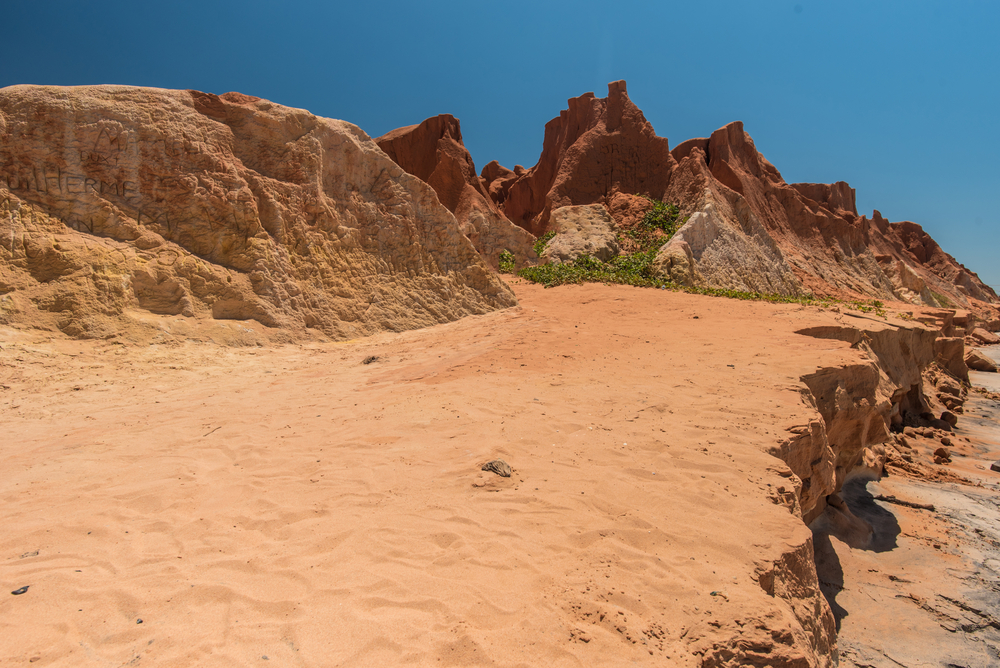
{"x":896,"y":98}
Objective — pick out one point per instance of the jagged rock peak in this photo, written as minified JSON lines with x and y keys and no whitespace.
{"x":433,"y":151}
{"x":595,"y":147}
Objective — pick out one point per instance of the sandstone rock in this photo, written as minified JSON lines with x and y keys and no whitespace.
{"x":950,"y":418}
{"x":978,"y":361}
{"x":949,"y":385}
{"x":907,"y":284}
{"x":497,"y":180}
{"x":591,"y":150}
{"x":837,"y":197}
{"x":872,"y":460}
{"x":950,"y":355}
{"x":942,"y":456}
{"x":995,"y":466}
{"x":939,"y":424}
{"x":910,"y":239}
{"x":951,"y":402}
{"x":581,"y":230}
{"x":121,"y":206}
{"x":433,"y":152}
{"x":726,"y":251}
{"x":675,"y":262}
{"x":856,"y":402}
{"x":985,"y":337}
{"x":763,"y":235}
{"x":628,"y":211}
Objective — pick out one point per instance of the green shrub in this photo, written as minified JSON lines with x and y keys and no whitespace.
{"x":663,"y":216}
{"x":541,"y":242}
{"x":506,"y":262}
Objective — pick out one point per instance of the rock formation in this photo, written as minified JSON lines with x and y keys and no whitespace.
{"x":980,"y":362}
{"x":120,"y":204}
{"x":596,"y":147}
{"x":747,"y":228}
{"x":581,"y":230}
{"x":433,"y":152}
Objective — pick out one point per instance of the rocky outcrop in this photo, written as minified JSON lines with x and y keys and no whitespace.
{"x":794,"y":628}
{"x":581,"y":230}
{"x":591,"y":150}
{"x":747,"y":228}
{"x":727,"y":250}
{"x":913,"y":243}
{"x":896,"y":382}
{"x":433,"y":152}
{"x":980,"y":362}
{"x":120,"y":205}
{"x":984,"y":337}
{"x":810,"y":231}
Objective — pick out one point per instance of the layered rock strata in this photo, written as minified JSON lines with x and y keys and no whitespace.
{"x":433,"y":152}
{"x":904,"y":375}
{"x":119,"y":204}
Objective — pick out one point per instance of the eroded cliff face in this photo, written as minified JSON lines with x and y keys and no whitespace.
{"x":755,"y":231}
{"x":747,"y":229}
{"x":898,"y":380}
{"x":433,"y":152}
{"x":121,"y":205}
{"x":902,"y":376}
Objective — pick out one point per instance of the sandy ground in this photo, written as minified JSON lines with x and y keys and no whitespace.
{"x":197,"y":505}
{"x":927,"y":591}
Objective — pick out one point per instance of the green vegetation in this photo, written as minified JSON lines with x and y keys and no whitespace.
{"x":541,"y":242}
{"x":506,"y":262}
{"x":663,"y":216}
{"x":633,"y":267}
{"x":868,"y":306}
{"x":943,"y":301}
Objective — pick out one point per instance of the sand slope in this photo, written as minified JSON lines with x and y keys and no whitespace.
{"x":298,"y":504}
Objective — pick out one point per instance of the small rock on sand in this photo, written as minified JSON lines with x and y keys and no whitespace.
{"x":498,"y":466}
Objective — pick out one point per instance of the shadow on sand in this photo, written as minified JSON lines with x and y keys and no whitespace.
{"x":857,"y":520}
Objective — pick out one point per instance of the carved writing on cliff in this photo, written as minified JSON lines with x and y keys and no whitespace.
{"x":622,"y":166}
{"x":111,"y":144}
{"x":55,"y":181}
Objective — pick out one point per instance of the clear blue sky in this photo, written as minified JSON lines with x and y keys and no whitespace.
{"x":896,"y":98}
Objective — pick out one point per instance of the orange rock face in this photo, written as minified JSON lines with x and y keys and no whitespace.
{"x":122,"y":206}
{"x":596,"y":147}
{"x":747,"y":229}
{"x":433,"y":152}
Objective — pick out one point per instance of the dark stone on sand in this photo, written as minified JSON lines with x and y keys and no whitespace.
{"x":18,"y":592}
{"x":498,"y":466}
